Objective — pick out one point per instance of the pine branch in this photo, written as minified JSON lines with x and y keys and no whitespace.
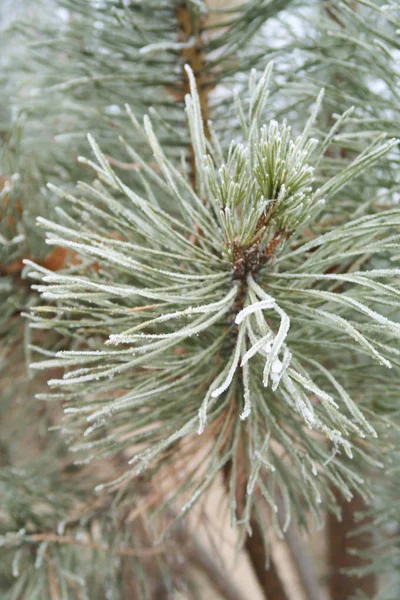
{"x":347,"y":555}
{"x":253,"y":301}
{"x":182,"y":282}
{"x":191,"y":32}
{"x":194,"y":58}
{"x":380,"y":525}
{"x":65,"y":539}
{"x":302,"y":559}
{"x":262,"y":562}
{"x":343,"y":551}
{"x":268,"y":577}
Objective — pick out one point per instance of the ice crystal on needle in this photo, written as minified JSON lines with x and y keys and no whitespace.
{"x":220,"y":315}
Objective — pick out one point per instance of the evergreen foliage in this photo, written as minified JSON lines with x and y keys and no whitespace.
{"x":221,"y":292}
{"x":185,"y":325}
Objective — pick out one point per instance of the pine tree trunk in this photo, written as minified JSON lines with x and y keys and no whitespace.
{"x":342,"y":586}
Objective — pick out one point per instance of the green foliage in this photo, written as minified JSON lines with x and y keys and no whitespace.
{"x":52,"y":549}
{"x":228,"y":290}
{"x":174,"y":327}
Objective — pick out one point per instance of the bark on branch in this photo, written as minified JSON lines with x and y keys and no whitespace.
{"x":341,"y":585}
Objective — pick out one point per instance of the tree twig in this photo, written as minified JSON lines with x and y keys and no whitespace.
{"x":67,"y":539}
{"x":193,"y":55}
{"x":342,"y":585}
{"x":268,"y":578}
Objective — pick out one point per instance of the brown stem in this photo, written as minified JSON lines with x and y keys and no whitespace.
{"x":194,"y":56}
{"x":342,"y":586}
{"x":66,"y":539}
{"x":268,"y":578}
{"x":52,"y":578}
{"x":191,"y":28}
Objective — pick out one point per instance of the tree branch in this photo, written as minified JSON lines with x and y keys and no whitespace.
{"x":193,"y":55}
{"x":341,"y":585}
{"x":268,"y":578}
